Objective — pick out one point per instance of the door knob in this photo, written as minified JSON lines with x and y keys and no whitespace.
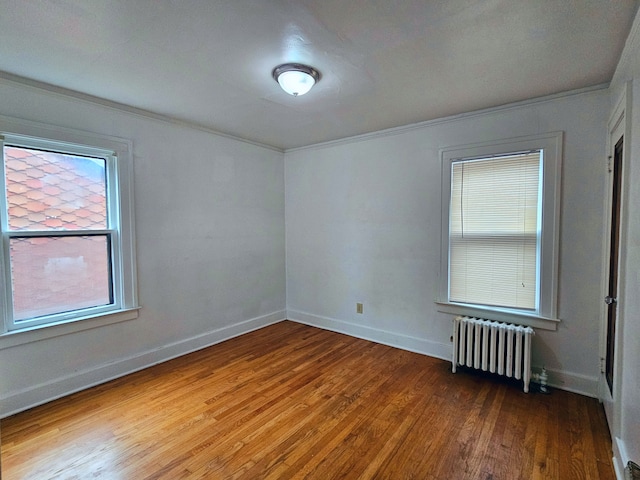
{"x":610,"y":300}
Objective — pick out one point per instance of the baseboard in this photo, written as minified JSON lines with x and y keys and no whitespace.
{"x":571,"y":382}
{"x":385,"y":337}
{"x":18,"y":401}
{"x":620,"y":457}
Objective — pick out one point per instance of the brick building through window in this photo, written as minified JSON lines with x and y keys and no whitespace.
{"x":54,"y":193}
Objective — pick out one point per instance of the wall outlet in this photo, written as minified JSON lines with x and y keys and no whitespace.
{"x":359,"y":308}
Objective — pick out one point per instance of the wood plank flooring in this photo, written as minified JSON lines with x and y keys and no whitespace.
{"x":291,"y":402}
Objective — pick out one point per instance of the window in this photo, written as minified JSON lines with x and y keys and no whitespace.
{"x":67,"y":236}
{"x":500,"y":232}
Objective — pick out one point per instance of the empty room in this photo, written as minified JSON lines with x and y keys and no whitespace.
{"x":280,"y":239}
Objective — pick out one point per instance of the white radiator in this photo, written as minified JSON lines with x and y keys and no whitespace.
{"x":501,"y":348}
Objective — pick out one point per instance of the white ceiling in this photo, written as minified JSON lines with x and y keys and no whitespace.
{"x":384,"y":63}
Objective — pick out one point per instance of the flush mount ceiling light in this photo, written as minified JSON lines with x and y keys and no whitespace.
{"x":295,"y":79}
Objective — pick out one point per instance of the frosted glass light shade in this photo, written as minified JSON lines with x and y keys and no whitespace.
{"x":296,"y":83}
{"x":296,"y":79}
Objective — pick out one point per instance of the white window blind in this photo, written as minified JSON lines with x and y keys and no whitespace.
{"x":494,"y":230}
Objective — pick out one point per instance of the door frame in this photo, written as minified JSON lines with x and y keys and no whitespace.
{"x":618,"y":127}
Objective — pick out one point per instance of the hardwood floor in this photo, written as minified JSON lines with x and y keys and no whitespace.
{"x":291,"y":402}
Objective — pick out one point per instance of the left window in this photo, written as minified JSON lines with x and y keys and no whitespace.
{"x":67,"y":231}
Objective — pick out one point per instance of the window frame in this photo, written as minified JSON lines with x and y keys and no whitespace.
{"x":551,"y":145}
{"x":120,"y":231}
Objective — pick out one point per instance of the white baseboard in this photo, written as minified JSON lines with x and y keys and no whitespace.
{"x":18,"y":401}
{"x":571,"y":382}
{"x":385,"y":337}
{"x":620,"y":457}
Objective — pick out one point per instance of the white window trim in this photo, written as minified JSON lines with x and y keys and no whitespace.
{"x":124,"y":263}
{"x":551,"y":144}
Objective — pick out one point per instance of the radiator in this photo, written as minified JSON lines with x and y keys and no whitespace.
{"x":501,"y":348}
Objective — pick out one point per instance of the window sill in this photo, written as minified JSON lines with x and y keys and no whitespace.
{"x":534,"y":321}
{"x":43,"y":332}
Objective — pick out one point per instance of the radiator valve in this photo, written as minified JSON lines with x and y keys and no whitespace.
{"x":541,"y":379}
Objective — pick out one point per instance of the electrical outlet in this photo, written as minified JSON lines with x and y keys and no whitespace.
{"x":359,"y":308}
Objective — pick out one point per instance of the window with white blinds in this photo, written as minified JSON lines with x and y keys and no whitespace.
{"x":494,"y":230}
{"x":500,"y":229}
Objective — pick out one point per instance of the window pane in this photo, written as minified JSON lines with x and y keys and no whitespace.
{"x":493,"y":231}
{"x":496,"y":196}
{"x":54,"y":191}
{"x":487,"y":272}
{"x":59,"y":274}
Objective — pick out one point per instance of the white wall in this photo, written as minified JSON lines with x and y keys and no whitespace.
{"x":363,"y":225}
{"x":626,"y":425}
{"x":210,"y":249}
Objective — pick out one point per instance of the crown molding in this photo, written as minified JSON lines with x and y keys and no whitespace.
{"x":10,"y":78}
{"x":439,"y":121}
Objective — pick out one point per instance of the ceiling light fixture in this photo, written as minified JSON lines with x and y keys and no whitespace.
{"x":295,"y":79}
